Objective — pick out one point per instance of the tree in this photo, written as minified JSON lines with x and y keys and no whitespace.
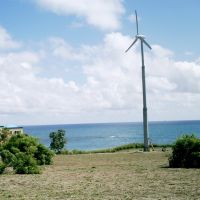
{"x":58,"y":140}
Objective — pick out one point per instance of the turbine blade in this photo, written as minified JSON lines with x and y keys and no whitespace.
{"x":147,"y":44}
{"x":132,"y":44}
{"x":136,"y":21}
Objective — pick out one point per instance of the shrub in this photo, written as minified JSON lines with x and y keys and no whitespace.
{"x":23,"y":143}
{"x":58,"y":141}
{"x":2,"y":167}
{"x":5,"y":134}
{"x":7,"y":157}
{"x":24,"y":154}
{"x":66,"y":152}
{"x":43,"y":155}
{"x":76,"y":151}
{"x":186,"y":152}
{"x":25,"y":164}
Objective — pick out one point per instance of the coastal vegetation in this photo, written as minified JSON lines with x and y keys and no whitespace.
{"x":186,"y":152}
{"x":5,"y":134}
{"x":125,"y":147}
{"x":58,"y":141}
{"x":24,"y":154}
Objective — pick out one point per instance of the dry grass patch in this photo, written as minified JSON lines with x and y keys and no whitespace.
{"x":125,"y":175}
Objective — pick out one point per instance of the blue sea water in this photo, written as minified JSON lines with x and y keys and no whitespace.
{"x":106,"y":135}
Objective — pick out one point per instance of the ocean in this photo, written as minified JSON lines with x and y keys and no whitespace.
{"x":107,"y":135}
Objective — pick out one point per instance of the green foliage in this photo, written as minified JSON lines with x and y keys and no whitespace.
{"x":76,"y":151}
{"x":23,"y":143}
{"x":65,"y":152}
{"x":128,"y":146}
{"x":186,"y":152}
{"x":58,"y":141}
{"x":112,"y":150}
{"x":24,"y":153}
{"x":2,"y":167}
{"x":25,"y":164}
{"x":43,"y":155}
{"x":5,"y":134}
{"x":7,"y":157}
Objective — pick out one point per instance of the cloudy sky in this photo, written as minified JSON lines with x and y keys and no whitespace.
{"x":63,"y":61}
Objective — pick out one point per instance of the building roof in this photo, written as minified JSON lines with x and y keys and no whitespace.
{"x":14,"y":127}
{"x":11,"y":127}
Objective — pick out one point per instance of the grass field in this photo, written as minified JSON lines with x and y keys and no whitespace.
{"x":111,"y":176}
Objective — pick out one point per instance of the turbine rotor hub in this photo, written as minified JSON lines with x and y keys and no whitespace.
{"x":142,"y":37}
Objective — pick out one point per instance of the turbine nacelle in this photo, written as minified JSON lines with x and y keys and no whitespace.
{"x":142,"y":37}
{"x":138,"y":36}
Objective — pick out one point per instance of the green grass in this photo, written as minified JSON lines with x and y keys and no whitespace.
{"x":130,"y":146}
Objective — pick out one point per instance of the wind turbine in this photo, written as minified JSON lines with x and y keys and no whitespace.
{"x":145,"y":120}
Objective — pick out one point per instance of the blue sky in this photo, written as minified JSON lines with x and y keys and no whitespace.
{"x":68,"y":64}
{"x":173,"y":24}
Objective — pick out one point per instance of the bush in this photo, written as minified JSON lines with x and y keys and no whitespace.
{"x":43,"y":155}
{"x":186,"y":152}
{"x":22,"y":143}
{"x":2,"y":167}
{"x":58,"y":141}
{"x":5,"y":134}
{"x":7,"y":157}
{"x":24,"y":154}
{"x":25,"y":164}
{"x":66,"y":152}
{"x":76,"y":151}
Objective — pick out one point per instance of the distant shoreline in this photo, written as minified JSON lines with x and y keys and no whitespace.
{"x":110,"y":123}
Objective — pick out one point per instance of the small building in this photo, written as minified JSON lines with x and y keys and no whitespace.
{"x":16,"y":130}
{"x":13,"y":129}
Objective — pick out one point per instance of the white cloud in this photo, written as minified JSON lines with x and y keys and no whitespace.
{"x":103,"y":14}
{"x":114,"y":77}
{"x":6,"y":41}
{"x":162,"y":52}
{"x":63,"y":50}
{"x":24,"y":91}
{"x":157,"y":84}
{"x":112,"y":89}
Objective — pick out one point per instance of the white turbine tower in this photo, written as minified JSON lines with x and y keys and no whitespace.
{"x":145,"y":120}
